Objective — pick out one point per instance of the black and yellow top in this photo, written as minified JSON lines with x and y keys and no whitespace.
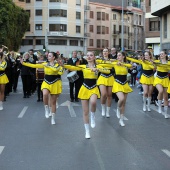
{"x":120,"y":83}
{"x":3,"y":77}
{"x":89,"y":86}
{"x":147,"y":76}
{"x":52,"y":73}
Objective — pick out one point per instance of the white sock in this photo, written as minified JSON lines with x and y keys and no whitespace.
{"x":165,"y":109}
{"x":86,"y":127}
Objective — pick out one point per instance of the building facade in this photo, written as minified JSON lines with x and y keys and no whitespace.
{"x":105,"y":27}
{"x":152,"y":30}
{"x":161,"y":10}
{"x":57,"y":25}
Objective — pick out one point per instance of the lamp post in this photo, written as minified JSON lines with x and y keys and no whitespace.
{"x":136,"y":38}
{"x":122,"y":30}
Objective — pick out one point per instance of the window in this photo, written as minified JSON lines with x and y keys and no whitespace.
{"x":114,"y":16}
{"x":28,"y":1}
{"x":103,"y":29}
{"x":154,"y":24}
{"x":40,"y":41}
{"x":165,"y":25}
{"x":78,"y":15}
{"x":107,"y":17}
{"x":91,"y":42}
{"x":38,"y":26}
{"x":29,"y":28}
{"x":57,"y":13}
{"x":78,"y":29}
{"x":74,"y":42}
{"x":91,"y":14}
{"x":98,"y":15}
{"x":38,"y":12}
{"x":103,"y":43}
{"x":98,"y":29}
{"x":78,"y":2}
{"x":114,"y":29}
{"x":103,"y":16}
{"x":62,"y":1}
{"x":21,"y":0}
{"x":29,"y":12}
{"x":91,"y":28}
{"x":38,"y":0}
{"x":57,"y":42}
{"x":107,"y":43}
{"x":98,"y":43}
{"x":58,"y":27}
{"x":107,"y":30}
{"x":27,"y":42}
{"x":149,"y":2}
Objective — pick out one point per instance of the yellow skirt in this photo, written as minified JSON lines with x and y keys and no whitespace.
{"x":4,"y":79}
{"x":105,"y":81}
{"x":164,"y":82}
{"x":85,"y":93}
{"x":168,"y":90}
{"x":147,"y":80}
{"x":55,"y":88}
{"x":117,"y":87}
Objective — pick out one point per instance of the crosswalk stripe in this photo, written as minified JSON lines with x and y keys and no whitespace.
{"x":23,"y":112}
{"x":166,"y":152}
{"x":1,"y":149}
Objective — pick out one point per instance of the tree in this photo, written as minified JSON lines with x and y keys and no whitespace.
{"x":14,"y":22}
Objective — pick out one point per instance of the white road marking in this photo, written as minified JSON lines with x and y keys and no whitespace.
{"x":23,"y":112}
{"x":1,"y":149}
{"x":166,"y":152}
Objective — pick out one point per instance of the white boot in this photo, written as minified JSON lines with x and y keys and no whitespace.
{"x":50,"y":114}
{"x":149,"y":104}
{"x":121,"y":120}
{"x":87,"y":131}
{"x":118,"y":112}
{"x":1,"y":105}
{"x":166,"y":112}
{"x":103,"y":109}
{"x":159,"y":106}
{"x":144,"y":104}
{"x":107,"y":112}
{"x":53,"y":119}
{"x":92,"y":119}
{"x":46,"y":111}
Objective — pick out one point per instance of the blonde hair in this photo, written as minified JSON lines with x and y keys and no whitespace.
{"x":26,"y":53}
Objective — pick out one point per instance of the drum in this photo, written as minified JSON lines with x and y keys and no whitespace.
{"x":72,"y":76}
{"x":39,"y":73}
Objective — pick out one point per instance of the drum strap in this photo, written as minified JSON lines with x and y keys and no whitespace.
{"x":50,"y":79}
{"x":89,"y":83}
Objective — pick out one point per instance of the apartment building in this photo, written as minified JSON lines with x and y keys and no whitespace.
{"x":161,"y":10}
{"x":59,"y":25}
{"x":20,"y":3}
{"x":152,"y":29}
{"x":105,"y":27}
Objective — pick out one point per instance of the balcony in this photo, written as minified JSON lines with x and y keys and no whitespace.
{"x":115,"y":32}
{"x":130,"y":33}
{"x":86,"y":20}
{"x":86,"y":34}
{"x":86,"y":7}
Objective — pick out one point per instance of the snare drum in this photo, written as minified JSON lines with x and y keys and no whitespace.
{"x":72,"y":76}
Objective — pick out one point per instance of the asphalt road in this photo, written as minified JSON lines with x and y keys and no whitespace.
{"x":29,"y":142}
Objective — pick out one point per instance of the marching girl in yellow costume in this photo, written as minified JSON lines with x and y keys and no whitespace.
{"x":120,"y":85}
{"x":52,"y":83}
{"x":89,"y":91}
{"x":147,"y":78}
{"x":162,"y":82}
{"x":3,"y":78}
{"x":105,"y":83}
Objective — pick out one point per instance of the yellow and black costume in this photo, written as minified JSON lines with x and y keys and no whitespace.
{"x":147,"y":76}
{"x":89,"y":86}
{"x":120,"y":83}
{"x":52,"y":78}
{"x":161,"y":74}
{"x":105,"y":79}
{"x":3,"y":77}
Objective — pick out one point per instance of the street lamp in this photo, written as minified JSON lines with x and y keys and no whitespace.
{"x":122,"y":30}
{"x":136,"y":38}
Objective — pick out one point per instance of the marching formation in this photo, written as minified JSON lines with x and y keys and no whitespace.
{"x":91,"y":78}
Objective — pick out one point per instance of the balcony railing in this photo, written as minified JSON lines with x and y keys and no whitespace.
{"x":86,"y":7}
{"x":115,"y":32}
{"x":86,"y":20}
{"x":86,"y":34}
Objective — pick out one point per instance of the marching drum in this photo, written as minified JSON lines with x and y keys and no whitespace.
{"x":72,"y":76}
